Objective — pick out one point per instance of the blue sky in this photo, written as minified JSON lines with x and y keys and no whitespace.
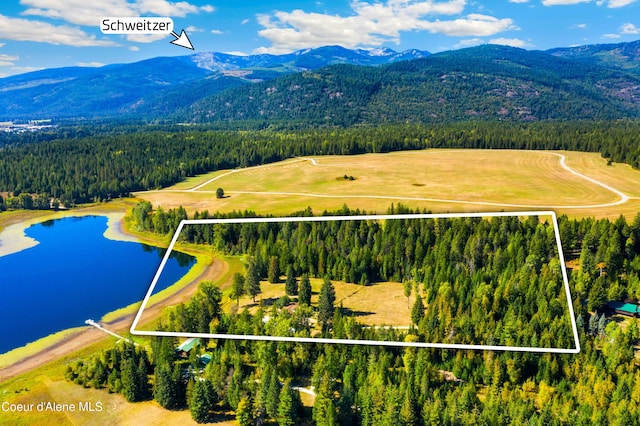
{"x":36,"y":34}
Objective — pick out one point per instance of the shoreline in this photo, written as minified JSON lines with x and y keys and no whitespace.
{"x":50,"y":348}
{"x":66,"y":342}
{"x":13,"y":238}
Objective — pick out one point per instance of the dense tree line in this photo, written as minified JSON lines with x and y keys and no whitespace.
{"x":609,"y":258}
{"x":408,"y":386}
{"x":102,"y":167}
{"x":123,"y":369}
{"x":400,"y":386}
{"x":26,"y":201}
{"x":502,"y":275}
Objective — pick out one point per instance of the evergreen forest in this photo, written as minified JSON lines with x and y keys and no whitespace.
{"x":260,"y":381}
{"x":75,"y":165}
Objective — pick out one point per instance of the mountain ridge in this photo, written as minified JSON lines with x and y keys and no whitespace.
{"x":488,"y":82}
{"x":132,"y":89}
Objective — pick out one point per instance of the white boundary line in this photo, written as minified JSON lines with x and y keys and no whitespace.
{"x":574,"y":327}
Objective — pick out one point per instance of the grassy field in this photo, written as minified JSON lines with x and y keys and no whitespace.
{"x":438,"y":180}
{"x":363,"y":301}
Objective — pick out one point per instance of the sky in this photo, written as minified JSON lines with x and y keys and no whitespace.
{"x":38,"y":34}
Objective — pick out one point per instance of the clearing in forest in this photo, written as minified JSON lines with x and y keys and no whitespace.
{"x":466,"y":281}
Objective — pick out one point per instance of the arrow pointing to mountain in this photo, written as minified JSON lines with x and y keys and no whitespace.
{"x":182,"y":40}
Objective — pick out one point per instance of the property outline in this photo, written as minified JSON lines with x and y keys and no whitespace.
{"x":136,"y":332}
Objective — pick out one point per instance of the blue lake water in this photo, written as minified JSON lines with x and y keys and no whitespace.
{"x":75,"y":274}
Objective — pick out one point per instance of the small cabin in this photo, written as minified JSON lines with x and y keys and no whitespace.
{"x":204,"y":360}
{"x":186,"y":347}
{"x":622,"y":308}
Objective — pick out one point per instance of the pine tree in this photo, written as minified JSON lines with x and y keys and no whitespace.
{"x":291,"y":285}
{"x":324,"y":411}
{"x":142,"y":379}
{"x":199,"y":403}
{"x":407,"y":290}
{"x":233,"y":391}
{"x":243,"y":412}
{"x":237,"y":287}
{"x":129,"y":380}
{"x":326,"y":303}
{"x":179,"y":386}
{"x":164,"y":389}
{"x":417,"y":312}
{"x":273,"y":395}
{"x":409,"y":409}
{"x":273,"y":275}
{"x":597,"y":295}
{"x":287,"y":410}
{"x":253,"y":280}
{"x":304,"y":295}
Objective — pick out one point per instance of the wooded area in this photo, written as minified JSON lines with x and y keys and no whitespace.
{"x":104,"y":166}
{"x":373,"y":385}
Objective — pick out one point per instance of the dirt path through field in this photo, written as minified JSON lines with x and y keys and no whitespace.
{"x":622,"y":197}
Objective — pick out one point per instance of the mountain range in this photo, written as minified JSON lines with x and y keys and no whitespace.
{"x":156,"y":87}
{"x":337,"y":86}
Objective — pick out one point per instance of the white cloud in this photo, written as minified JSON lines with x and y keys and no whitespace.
{"x":469,"y":43}
{"x":27,"y":30}
{"x":166,"y":8}
{"x":244,"y":22}
{"x":613,"y":4}
{"x":578,"y":27}
{"x":513,"y":42}
{"x":236,"y":53}
{"x":20,"y":70}
{"x":217,"y":32}
{"x":629,"y":28}
{"x":83,"y":12}
{"x":518,"y":1}
{"x":145,"y":38}
{"x":563,"y":2}
{"x":372,"y":24}
{"x":472,"y":25}
{"x":134,"y":48}
{"x":193,"y":29}
{"x":619,"y":3}
{"x":8,"y":60}
{"x":610,"y":35}
{"x":2,"y":44}
{"x":90,"y":64}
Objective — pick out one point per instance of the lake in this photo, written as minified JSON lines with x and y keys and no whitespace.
{"x":75,"y":274}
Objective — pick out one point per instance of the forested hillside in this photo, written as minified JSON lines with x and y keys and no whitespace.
{"x":624,"y":56}
{"x":489,"y":82}
{"x":153,"y":89}
{"x":78,"y":168}
{"x":332,"y":86}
